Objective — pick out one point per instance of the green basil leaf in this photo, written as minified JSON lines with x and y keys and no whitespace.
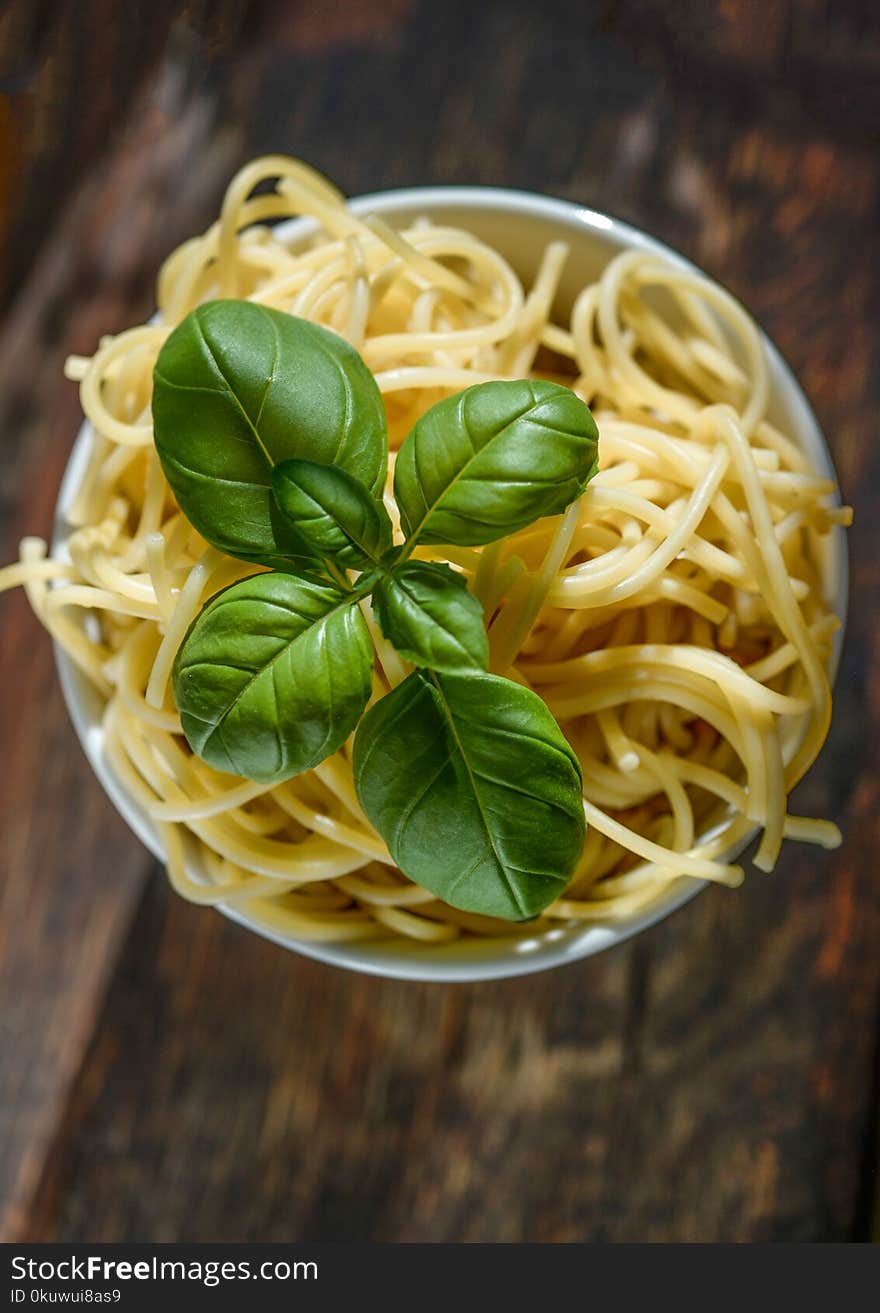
{"x":237,"y":389}
{"x":490,"y":460}
{"x":332,"y":512}
{"x":428,"y":613}
{"x":273,"y":675}
{"x":474,"y":789}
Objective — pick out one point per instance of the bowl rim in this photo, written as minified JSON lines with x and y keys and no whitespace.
{"x":465,"y":960}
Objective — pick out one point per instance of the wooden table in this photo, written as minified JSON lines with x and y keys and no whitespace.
{"x":163,"y":1074}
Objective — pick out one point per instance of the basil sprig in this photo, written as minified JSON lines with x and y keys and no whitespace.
{"x":476,"y":791}
{"x":496,"y":457}
{"x":272,"y":435}
{"x":333,"y":512}
{"x":274,"y":675}
{"x":238,"y":389}
{"x":430,"y":615}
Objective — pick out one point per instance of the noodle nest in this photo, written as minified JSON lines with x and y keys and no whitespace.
{"x":673,"y":619}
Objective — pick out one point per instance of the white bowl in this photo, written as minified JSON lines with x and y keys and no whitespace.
{"x":520,"y":225}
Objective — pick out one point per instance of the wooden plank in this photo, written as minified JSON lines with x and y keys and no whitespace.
{"x":276,"y":1098}
{"x":644,"y":1095}
{"x":714,"y":1080}
{"x":72,"y":871}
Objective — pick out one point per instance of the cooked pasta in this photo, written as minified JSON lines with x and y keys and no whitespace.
{"x":674,"y":618}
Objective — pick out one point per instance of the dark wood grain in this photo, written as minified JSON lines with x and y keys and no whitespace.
{"x":166,"y":1076}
